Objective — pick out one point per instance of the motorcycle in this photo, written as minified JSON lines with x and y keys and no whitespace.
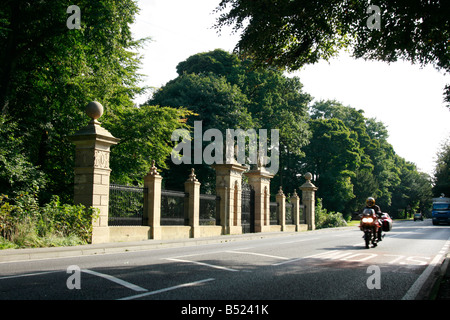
{"x":369,"y":225}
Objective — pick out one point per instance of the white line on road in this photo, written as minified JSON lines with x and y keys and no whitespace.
{"x":415,"y":288}
{"x":297,"y":259}
{"x":201,"y":263}
{"x":294,"y":241}
{"x":190,"y":284}
{"x":114,"y":279}
{"x":27,"y":275}
{"x":259,"y":254}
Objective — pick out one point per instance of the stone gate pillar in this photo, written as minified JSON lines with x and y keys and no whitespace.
{"x":308,"y":197}
{"x":92,"y":148}
{"x":228,"y":188}
{"x":281,"y":201}
{"x":259,"y":179}
{"x":192,"y":187}
{"x":152,"y":202}
{"x":295,"y":200}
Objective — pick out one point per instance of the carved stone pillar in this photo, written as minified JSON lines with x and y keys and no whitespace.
{"x":192,"y":187}
{"x":152,"y":201}
{"x":92,"y":148}
{"x":281,"y":201}
{"x":259,"y":179}
{"x":308,"y":198}
{"x":228,"y":188}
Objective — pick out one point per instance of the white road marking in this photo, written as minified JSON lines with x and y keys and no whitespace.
{"x":294,"y":241}
{"x":259,"y":254}
{"x":114,"y":279}
{"x":417,"y":285}
{"x":184,"y":285}
{"x":415,"y":288}
{"x":201,"y":263}
{"x":27,"y":275}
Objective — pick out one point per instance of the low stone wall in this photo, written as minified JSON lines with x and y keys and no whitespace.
{"x":124,"y":233}
{"x":138,"y":233}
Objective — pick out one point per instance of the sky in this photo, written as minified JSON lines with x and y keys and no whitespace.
{"x":408,"y":99}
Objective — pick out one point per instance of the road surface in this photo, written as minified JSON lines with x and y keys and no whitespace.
{"x":324,"y":264}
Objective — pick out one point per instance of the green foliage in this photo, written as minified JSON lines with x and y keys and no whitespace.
{"x":332,"y":156}
{"x":49,"y":73}
{"x":351,"y":159}
{"x":325,"y":219}
{"x":226,"y":92}
{"x":144,"y":134}
{"x":16,"y":171}
{"x":25,"y":224}
{"x":290,"y":34}
{"x":442,"y":172}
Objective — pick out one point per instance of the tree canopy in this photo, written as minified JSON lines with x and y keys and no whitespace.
{"x":347,"y":153}
{"x":226,"y":92}
{"x":292,"y":33}
{"x":353,"y":160}
{"x":442,"y":172}
{"x":48,"y":74}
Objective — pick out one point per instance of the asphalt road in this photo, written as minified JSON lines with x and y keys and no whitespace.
{"x":316,"y":265}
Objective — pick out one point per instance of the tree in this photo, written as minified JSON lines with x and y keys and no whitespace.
{"x":332,"y":156}
{"x":290,"y":34}
{"x":144,"y":136}
{"x":214,"y":102}
{"x":48,"y":74}
{"x":228,"y":93}
{"x":442,"y":172}
{"x":379,"y":172}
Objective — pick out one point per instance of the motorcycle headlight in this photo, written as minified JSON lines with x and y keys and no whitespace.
{"x":368,"y":220}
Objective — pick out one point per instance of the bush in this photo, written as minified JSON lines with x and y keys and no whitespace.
{"x":25,"y":224}
{"x":326,"y":219}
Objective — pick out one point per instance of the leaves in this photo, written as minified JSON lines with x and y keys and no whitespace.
{"x":49,"y":73}
{"x":291,"y":34}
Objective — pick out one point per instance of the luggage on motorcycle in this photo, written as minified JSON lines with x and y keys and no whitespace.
{"x":387,"y":225}
{"x":386,"y":222}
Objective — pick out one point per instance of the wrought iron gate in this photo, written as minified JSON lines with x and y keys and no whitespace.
{"x":247,"y":209}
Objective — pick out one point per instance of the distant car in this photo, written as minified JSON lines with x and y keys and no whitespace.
{"x":418,"y":216}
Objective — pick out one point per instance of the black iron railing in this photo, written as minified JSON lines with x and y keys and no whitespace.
{"x":126,"y":205}
{"x":174,"y":208}
{"x":209,"y":210}
{"x":289,"y":213}
{"x":274,"y":213}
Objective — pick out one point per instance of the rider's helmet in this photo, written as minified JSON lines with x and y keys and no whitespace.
{"x":370,"y":202}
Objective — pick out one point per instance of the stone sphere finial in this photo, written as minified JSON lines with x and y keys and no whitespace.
{"x":94,"y":110}
{"x":308,"y":176}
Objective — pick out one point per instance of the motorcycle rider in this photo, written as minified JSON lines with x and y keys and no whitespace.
{"x":370,"y":204}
